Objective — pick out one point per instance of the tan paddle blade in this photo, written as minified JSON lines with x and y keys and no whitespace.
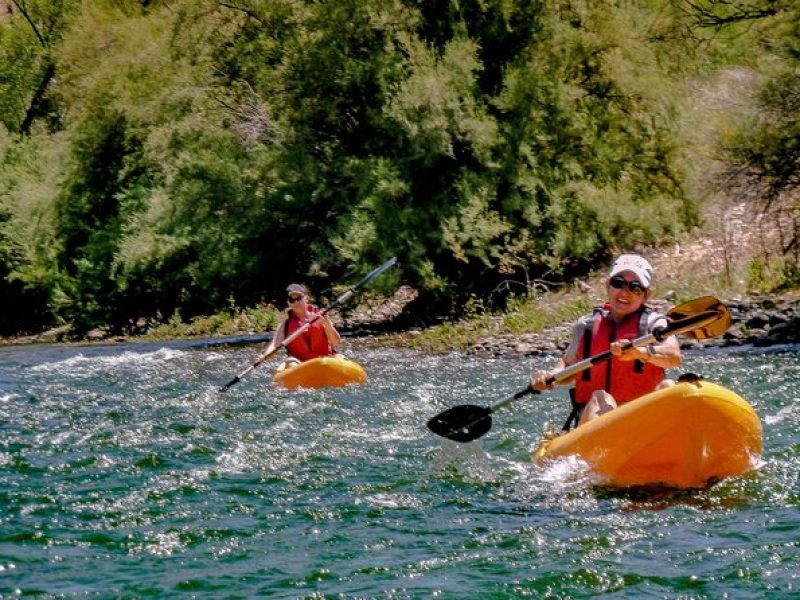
{"x":704,"y":304}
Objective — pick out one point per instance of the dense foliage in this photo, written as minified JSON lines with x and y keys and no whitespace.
{"x":180,"y":156}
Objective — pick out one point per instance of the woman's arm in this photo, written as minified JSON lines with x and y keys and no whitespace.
{"x":334,"y":339}
{"x":277,"y":338}
{"x":666,"y":354}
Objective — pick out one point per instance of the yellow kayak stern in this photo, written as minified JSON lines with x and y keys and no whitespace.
{"x":325,"y":371}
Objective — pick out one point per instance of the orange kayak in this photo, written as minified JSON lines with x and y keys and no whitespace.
{"x":326,"y":371}
{"x":689,"y":435}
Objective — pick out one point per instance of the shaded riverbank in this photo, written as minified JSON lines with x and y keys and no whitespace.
{"x":373,"y":317}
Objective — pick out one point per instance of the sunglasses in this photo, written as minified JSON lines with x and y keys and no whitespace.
{"x":618,"y":282}
{"x":294,"y":297}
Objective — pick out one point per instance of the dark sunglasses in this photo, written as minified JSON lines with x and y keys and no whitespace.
{"x":618,"y":282}
{"x":294,"y":297}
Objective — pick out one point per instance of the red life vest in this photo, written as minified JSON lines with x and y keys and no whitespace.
{"x":312,"y":343}
{"x":625,"y":380}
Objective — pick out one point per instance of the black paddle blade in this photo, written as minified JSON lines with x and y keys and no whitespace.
{"x":462,"y":423}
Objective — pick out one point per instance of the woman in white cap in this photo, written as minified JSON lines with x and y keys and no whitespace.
{"x":319,"y":339}
{"x":625,"y":316}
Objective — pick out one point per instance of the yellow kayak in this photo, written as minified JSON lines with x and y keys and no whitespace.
{"x":326,"y":371}
{"x":689,"y":435}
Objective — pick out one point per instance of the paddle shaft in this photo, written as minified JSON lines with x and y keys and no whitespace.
{"x":658,"y":335}
{"x":265,"y":357}
{"x":704,"y":318}
{"x":343,"y":297}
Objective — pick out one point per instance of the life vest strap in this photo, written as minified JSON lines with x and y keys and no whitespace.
{"x":644,"y":320}
{"x":574,"y":414}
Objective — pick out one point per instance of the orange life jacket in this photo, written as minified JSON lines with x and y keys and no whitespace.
{"x":625,"y":380}
{"x":312,"y":343}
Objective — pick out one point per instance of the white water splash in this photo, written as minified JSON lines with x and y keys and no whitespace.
{"x":565,"y":471}
{"x":470,"y":459}
{"x":390,"y":501}
{"x":80,"y":364}
{"x":788,"y":413}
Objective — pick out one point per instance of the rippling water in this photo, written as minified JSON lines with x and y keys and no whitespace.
{"x":124,"y":473}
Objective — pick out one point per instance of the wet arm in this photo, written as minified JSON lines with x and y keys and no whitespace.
{"x":334,"y":339}
{"x":666,"y":354}
{"x":277,"y":339}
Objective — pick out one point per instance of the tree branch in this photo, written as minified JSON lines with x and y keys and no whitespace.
{"x":38,"y":97}
{"x":24,"y":12}
{"x":246,"y":11}
{"x":716,"y":14}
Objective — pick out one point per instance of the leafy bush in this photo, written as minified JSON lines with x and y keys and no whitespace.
{"x":159,"y":158}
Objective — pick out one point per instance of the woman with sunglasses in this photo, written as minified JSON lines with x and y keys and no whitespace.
{"x":321,"y":337}
{"x":625,"y":316}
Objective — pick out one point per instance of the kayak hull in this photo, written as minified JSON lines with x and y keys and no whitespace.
{"x":326,"y":371}
{"x":689,"y":435}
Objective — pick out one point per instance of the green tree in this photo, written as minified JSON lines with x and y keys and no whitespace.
{"x":194,"y":153}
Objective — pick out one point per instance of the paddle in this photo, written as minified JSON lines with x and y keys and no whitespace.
{"x":350,"y":291}
{"x":703,"y":318}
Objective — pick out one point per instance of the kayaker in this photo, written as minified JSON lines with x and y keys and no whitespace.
{"x":625,"y":316}
{"x":321,"y":337}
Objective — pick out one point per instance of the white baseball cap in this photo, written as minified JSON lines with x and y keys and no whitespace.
{"x":636,"y":265}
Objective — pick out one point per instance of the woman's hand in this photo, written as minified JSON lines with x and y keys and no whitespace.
{"x":539,"y":379}
{"x":619,"y":350}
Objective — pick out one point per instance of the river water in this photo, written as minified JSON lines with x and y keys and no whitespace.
{"x":125,"y":473}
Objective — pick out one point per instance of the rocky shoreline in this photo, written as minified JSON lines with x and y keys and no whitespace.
{"x":758,"y":321}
